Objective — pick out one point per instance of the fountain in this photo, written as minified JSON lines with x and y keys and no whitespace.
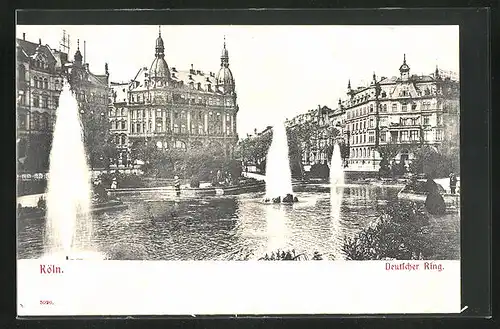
{"x":278,"y":174}
{"x":336,"y":167}
{"x":68,"y":221}
{"x":336,"y":195}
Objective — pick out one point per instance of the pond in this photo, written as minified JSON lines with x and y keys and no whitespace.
{"x":158,"y":226}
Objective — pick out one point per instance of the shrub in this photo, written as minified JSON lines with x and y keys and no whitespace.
{"x":396,"y":234}
{"x":195,"y":182}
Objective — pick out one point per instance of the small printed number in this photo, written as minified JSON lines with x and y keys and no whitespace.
{"x":46,"y":302}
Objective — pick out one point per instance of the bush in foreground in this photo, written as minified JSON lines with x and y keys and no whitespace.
{"x":397,"y":234}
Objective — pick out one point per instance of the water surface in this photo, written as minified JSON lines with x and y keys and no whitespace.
{"x":161,"y":227}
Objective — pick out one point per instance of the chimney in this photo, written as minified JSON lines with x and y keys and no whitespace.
{"x":24,"y":36}
{"x":84,"y":50}
{"x":39,"y":41}
{"x":87,"y":67}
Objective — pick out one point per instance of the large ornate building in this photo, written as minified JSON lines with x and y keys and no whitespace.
{"x":404,"y":110}
{"x":41,"y":71}
{"x":175,"y":109}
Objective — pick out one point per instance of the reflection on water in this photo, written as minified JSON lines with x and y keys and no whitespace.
{"x":157,"y":227}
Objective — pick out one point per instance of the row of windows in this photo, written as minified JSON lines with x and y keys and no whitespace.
{"x":117,"y":112}
{"x":138,"y":114}
{"x":39,"y":121}
{"x":119,"y":124}
{"x":43,"y":83}
{"x":360,"y":125}
{"x":184,"y":99}
{"x":91,"y":98}
{"x":143,"y":127}
{"x":395,"y":107}
{"x":42,"y":101}
{"x":362,"y":152}
{"x":121,"y":139}
{"x":40,"y":64}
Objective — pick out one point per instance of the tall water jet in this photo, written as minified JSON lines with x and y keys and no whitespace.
{"x":68,"y":222}
{"x":336,"y":196}
{"x":278,"y":174}
{"x":336,"y":167}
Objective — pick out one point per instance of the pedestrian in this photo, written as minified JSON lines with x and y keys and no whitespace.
{"x":453,"y":183}
{"x":114,"y":184}
{"x":177,"y":185}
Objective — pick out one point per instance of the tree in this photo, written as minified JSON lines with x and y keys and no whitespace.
{"x":97,"y":139}
{"x":389,"y":150}
{"x":435,"y":161}
{"x":254,"y":149}
{"x":38,"y":153}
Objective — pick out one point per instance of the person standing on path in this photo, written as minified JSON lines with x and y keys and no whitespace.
{"x":177,"y":185}
{"x":453,"y":183}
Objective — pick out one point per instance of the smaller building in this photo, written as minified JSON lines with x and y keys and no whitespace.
{"x":118,"y":118}
{"x":92,"y":94}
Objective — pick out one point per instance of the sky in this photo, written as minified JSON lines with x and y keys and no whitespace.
{"x":280,"y":71}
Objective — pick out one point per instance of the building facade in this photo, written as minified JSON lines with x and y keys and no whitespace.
{"x":316,"y":133}
{"x":41,"y":72}
{"x":406,"y":110}
{"x":174,"y":108}
{"x":39,"y":83}
{"x":92,"y":93}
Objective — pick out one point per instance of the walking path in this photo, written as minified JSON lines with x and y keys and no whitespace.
{"x":254,"y":175}
{"x":30,"y":200}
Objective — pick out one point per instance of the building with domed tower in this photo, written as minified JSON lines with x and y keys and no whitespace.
{"x":174,"y":108}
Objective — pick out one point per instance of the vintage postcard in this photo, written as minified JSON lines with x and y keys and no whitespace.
{"x":225,"y":169}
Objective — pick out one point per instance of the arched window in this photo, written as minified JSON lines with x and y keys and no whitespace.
{"x":45,"y":101}
{"x":122,"y":139}
{"x":35,"y":82}
{"x":123,"y":124}
{"x":45,"y":121}
{"x":117,"y":139}
{"x":45,"y":83}
{"x":36,"y":100}
{"x":22,"y":73}
{"x":180,"y":145}
{"x":36,"y":120}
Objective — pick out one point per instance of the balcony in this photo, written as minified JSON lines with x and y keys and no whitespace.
{"x":399,"y":126}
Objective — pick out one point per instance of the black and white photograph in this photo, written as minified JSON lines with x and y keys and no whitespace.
{"x":237,"y":146}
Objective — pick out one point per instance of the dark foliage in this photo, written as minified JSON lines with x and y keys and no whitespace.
{"x":397,"y":234}
{"x":123,"y":180}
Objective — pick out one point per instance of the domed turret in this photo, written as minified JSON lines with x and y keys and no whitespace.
{"x":159,"y":71}
{"x":225,"y":80}
{"x":404,"y":69}
{"x":78,"y":54}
